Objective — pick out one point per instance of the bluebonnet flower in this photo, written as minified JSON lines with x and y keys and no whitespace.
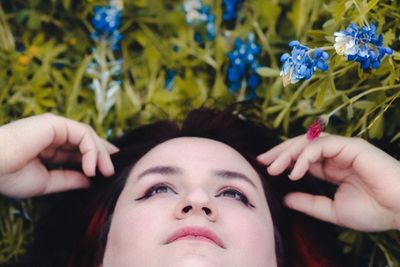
{"x":361,"y":45}
{"x":200,"y":17}
{"x":106,"y":22}
{"x":169,"y":80}
{"x":243,"y":66}
{"x":105,"y":73}
{"x":231,"y":8}
{"x":302,"y":63}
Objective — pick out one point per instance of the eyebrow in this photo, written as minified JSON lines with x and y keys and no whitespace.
{"x":172,"y":170}
{"x":233,"y":175}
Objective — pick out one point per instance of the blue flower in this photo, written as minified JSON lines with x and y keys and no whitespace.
{"x":200,"y":17}
{"x":106,"y":22}
{"x":231,"y":8}
{"x":243,"y":66}
{"x":169,"y":80}
{"x":302,"y":63}
{"x":361,"y":45}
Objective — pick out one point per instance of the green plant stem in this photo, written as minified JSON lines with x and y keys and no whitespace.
{"x":324,"y":48}
{"x":391,"y":100}
{"x":265,"y":43}
{"x":361,"y":13}
{"x":355,"y":98}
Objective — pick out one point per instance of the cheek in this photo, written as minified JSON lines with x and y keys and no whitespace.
{"x":135,"y":231}
{"x":253,"y":233}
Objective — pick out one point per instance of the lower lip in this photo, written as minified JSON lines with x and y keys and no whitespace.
{"x":195,"y":238}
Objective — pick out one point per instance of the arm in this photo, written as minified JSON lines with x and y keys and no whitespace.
{"x":368,"y":179}
{"x":27,"y":143}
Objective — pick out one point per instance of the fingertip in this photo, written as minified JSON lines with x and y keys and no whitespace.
{"x":264,"y":158}
{"x":294,"y":177}
{"x":105,"y":165}
{"x":288,"y":201}
{"x":89,"y":164}
{"x":111,"y":148}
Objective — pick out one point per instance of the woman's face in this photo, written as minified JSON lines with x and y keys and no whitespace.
{"x":191,"y":202}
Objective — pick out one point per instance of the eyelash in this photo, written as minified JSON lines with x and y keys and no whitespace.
{"x":239,"y":196}
{"x":150,"y":192}
{"x":236,"y":194}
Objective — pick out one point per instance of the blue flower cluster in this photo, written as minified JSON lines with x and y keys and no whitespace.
{"x":106,"y":22}
{"x":231,"y":9}
{"x":201,"y":17}
{"x":361,"y":45}
{"x":302,"y":63}
{"x":104,"y":72}
{"x":169,"y":79}
{"x":243,"y":66}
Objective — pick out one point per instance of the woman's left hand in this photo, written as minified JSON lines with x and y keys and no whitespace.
{"x":368,"y":180}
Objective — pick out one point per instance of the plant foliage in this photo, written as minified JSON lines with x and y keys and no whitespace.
{"x":170,"y":66}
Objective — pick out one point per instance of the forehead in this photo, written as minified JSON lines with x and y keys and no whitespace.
{"x":196,"y":148}
{"x":196,"y":154}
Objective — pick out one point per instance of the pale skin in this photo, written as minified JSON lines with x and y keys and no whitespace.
{"x":368,"y":179}
{"x":27,"y":143}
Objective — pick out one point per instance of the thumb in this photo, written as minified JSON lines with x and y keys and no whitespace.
{"x":319,"y":207}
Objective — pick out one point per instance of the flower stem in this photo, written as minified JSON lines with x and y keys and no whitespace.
{"x":265,"y":43}
{"x":324,"y":48}
{"x":389,"y":101}
{"x":365,"y":21}
{"x":355,"y":98}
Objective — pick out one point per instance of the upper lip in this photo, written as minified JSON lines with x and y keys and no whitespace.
{"x":196,"y":231}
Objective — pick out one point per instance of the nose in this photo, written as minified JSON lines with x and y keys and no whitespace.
{"x":196,"y":202}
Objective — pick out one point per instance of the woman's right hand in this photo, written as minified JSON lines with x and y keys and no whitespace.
{"x":27,"y":143}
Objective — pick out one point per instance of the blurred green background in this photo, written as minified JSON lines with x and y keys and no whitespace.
{"x":46,"y":51}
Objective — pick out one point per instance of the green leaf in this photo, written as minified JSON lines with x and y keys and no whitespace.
{"x":299,"y":15}
{"x":364,"y":104}
{"x":34,"y":21}
{"x":319,"y":100}
{"x":350,"y":112}
{"x":268,"y":72}
{"x":313,"y":88}
{"x":67,"y":4}
{"x":280,"y":117}
{"x":376,"y":129}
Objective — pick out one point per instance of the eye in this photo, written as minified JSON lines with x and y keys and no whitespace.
{"x":157,"y":189}
{"x":235,"y":194}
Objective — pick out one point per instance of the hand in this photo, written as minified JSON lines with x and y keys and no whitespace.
{"x":368,"y":180}
{"x":27,"y":143}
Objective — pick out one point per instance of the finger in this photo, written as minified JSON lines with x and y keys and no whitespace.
{"x":319,"y":207}
{"x":66,"y":131}
{"x":325,"y":147}
{"x":103,"y":157}
{"x":65,"y":180}
{"x":287,"y":157}
{"x":54,"y":155}
{"x":87,"y":147}
{"x":269,"y":156}
{"x":111,"y":149}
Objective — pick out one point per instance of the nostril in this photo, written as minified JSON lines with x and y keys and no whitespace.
{"x":187,"y":209}
{"x":207,"y":210}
